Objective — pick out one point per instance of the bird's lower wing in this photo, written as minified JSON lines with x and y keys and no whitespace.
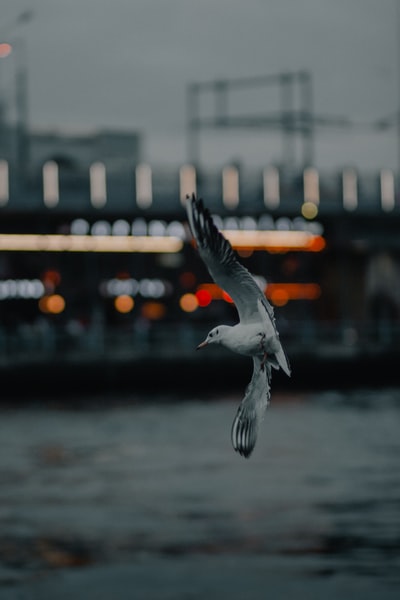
{"x":252,"y":409}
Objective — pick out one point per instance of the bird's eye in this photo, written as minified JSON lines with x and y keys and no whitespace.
{"x":216,"y":332}
{"x":211,"y":334}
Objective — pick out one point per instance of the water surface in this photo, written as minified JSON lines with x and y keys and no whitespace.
{"x":146,"y":495}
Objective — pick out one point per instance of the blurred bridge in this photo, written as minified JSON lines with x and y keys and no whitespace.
{"x":354,"y":318}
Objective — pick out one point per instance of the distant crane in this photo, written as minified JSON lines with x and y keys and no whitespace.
{"x":290,"y":120}
{"x":21,"y":89}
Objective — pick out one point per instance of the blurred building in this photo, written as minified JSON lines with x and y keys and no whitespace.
{"x":116,"y":149}
{"x":70,"y":150}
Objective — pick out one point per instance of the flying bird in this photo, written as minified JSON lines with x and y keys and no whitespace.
{"x":255,"y":334}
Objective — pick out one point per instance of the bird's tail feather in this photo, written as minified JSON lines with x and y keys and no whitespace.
{"x":244,"y":432}
{"x":251,"y":411}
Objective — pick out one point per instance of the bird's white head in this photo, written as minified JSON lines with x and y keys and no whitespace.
{"x":215,"y":336}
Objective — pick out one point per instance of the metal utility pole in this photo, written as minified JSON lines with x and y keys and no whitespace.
{"x":398,"y":83}
{"x":21,"y":94}
{"x":192,"y":116}
{"x":288,"y":119}
{"x":291,"y":121}
{"x":307,"y":108}
{"x":21,"y":104}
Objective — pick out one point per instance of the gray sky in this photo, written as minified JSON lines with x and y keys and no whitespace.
{"x":126,"y":64}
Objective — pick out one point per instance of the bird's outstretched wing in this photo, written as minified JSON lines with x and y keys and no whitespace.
{"x":233,"y":277}
{"x":252,"y":409}
{"x":223,"y":265}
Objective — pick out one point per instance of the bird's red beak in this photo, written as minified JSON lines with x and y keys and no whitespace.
{"x":205,"y":343}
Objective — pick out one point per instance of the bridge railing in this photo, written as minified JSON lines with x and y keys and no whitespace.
{"x":227,"y":189}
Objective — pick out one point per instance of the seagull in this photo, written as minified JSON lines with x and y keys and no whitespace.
{"x":254,"y":335}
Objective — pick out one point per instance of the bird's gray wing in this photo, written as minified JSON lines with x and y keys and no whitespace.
{"x":223,"y":265}
{"x":252,"y":409}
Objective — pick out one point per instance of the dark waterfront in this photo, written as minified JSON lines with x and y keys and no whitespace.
{"x":142,"y":496}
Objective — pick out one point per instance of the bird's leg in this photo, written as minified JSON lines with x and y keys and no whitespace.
{"x":264,"y":360}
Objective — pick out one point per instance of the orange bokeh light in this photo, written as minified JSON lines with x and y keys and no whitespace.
{"x":5,"y":50}
{"x":188,"y":302}
{"x":153,"y":310}
{"x":317,"y":244}
{"x":279,"y":297}
{"x":53,"y":304}
{"x":124,"y":303}
{"x":226,"y":297}
{"x":293,"y":291}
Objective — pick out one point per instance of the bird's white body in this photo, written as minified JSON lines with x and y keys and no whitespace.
{"x":244,"y":339}
{"x":255,"y":335}
{"x":250,"y":339}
